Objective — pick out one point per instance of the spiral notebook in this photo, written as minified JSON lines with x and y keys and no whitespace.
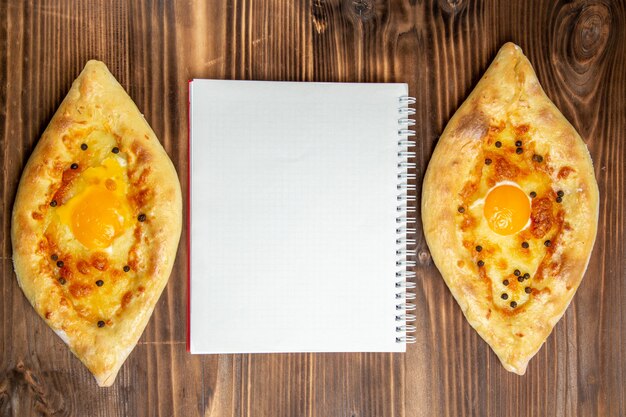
{"x":299,"y":217}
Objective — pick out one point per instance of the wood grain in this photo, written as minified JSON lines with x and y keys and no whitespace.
{"x":440,"y":47}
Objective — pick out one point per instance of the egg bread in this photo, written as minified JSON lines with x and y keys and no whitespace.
{"x":96,"y":222}
{"x":510,"y":209}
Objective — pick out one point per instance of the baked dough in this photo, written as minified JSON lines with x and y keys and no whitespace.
{"x":512,"y":286}
{"x":96,"y":222}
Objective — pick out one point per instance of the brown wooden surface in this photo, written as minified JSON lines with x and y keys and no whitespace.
{"x":440,"y":48}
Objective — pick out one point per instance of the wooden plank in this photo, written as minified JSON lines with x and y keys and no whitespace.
{"x":441,"y":49}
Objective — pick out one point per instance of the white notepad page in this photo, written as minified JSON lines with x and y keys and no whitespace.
{"x":293,"y":216}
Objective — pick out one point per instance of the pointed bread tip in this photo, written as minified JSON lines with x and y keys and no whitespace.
{"x":519,"y":368}
{"x":510,"y":46}
{"x":106,"y":380}
{"x":95,"y":63}
{"x":509,"y":51}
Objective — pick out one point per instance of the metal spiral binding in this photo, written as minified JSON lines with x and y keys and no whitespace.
{"x":406,"y":222}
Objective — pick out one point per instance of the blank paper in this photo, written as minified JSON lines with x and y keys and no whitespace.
{"x":293,"y":216}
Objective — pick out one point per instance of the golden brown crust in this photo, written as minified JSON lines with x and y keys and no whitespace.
{"x":510,"y":94}
{"x":96,"y":102}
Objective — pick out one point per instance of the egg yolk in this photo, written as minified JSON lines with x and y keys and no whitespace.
{"x":507,"y":209}
{"x":99,"y":211}
{"x":98,"y":218}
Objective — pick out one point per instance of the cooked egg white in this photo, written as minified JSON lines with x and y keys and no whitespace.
{"x":503,"y":222}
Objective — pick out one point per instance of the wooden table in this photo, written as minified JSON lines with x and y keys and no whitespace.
{"x":440,"y":48}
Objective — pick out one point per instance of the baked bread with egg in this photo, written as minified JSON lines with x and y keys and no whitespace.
{"x":96,"y":222}
{"x":510,"y":209}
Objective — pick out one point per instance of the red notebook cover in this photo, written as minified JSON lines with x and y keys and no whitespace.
{"x":188,"y":215}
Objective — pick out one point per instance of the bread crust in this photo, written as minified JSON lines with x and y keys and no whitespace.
{"x":509,"y":91}
{"x":97,"y":101}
